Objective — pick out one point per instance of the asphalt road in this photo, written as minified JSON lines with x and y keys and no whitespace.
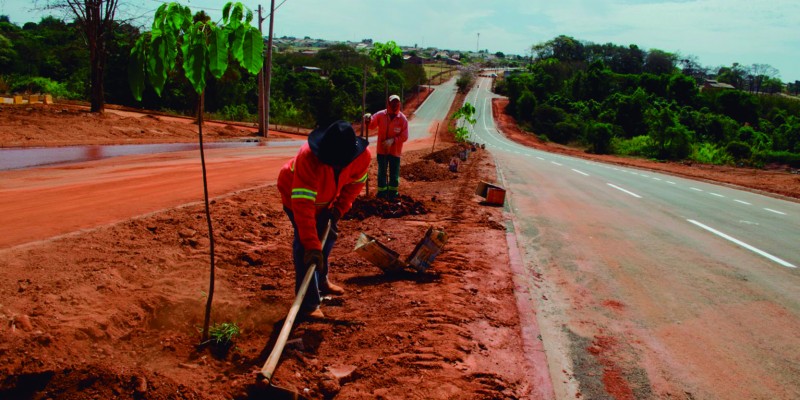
{"x":46,"y":202}
{"x":677,"y":287}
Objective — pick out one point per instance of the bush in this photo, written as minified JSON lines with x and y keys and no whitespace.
{"x":639,"y":146}
{"x":38,"y":84}
{"x":237,"y":112}
{"x":778,"y":157}
{"x":599,"y":136}
{"x":709,"y":153}
{"x":739,"y":150}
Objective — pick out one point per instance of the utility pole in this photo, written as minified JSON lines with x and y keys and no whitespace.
{"x":262,"y":128}
{"x":269,"y":65}
{"x":265,"y":76}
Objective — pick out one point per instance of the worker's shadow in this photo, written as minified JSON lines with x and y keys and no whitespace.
{"x":395,"y":276}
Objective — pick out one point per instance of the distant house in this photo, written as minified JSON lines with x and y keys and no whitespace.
{"x":306,"y":68}
{"x":711,"y":84}
{"x":413,"y":59}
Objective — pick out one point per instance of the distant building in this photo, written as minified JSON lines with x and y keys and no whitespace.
{"x":306,"y":68}
{"x":414,"y":59}
{"x":711,"y":84}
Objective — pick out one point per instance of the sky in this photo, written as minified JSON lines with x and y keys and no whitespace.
{"x":715,"y":32}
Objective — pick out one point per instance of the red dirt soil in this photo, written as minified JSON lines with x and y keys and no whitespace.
{"x":114,"y":311}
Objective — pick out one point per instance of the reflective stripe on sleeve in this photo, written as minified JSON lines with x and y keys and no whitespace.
{"x":300,"y":193}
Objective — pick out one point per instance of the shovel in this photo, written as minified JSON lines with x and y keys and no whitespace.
{"x":267,"y":371}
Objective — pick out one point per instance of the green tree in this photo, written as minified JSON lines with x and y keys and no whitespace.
{"x":467,"y":112}
{"x":659,"y":62}
{"x":682,"y":89}
{"x":600,"y":135}
{"x":741,"y":106}
{"x":96,"y":19}
{"x":563,"y":48}
{"x":672,"y":139}
{"x":7,"y":53}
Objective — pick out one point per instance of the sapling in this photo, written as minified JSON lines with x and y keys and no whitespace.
{"x":206,"y":46}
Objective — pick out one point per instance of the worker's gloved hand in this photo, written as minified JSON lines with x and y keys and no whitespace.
{"x":313,"y":257}
{"x":367,"y":117}
{"x":388,"y":142}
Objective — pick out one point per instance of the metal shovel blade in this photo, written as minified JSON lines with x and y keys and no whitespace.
{"x":272,"y":392}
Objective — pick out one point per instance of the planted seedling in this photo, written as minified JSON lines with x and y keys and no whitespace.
{"x":205,"y":48}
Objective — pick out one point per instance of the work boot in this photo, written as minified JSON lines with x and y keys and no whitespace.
{"x":330,"y":288}
{"x":313,"y":313}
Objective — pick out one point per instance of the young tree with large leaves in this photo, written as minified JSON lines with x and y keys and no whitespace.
{"x":206,"y":47}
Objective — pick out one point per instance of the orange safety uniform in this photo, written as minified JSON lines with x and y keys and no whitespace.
{"x":390,"y":128}
{"x":308,"y":187}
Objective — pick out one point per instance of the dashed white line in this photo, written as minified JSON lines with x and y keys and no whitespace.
{"x":580,"y":172}
{"x":745,"y":245}
{"x":540,"y":158}
{"x":775,"y":211}
{"x":657,"y":179}
{"x":716,"y":194}
{"x":623,"y":190}
{"x":743,"y":202}
{"x":696,"y":189}
{"x":553,"y":162}
{"x":671,"y":183}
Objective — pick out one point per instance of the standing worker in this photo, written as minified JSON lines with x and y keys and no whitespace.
{"x":319,"y":185}
{"x":392,"y":127}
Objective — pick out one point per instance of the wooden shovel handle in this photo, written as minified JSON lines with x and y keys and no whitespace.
{"x":272,"y":361}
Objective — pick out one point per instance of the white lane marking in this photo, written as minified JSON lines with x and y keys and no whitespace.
{"x":694,"y":188}
{"x":540,"y":158}
{"x":671,"y":183}
{"x":745,"y":245}
{"x":553,"y":162}
{"x":743,"y":202}
{"x":716,"y":194}
{"x":580,"y":172}
{"x":775,"y":211}
{"x":623,"y":190}
{"x":658,"y":179}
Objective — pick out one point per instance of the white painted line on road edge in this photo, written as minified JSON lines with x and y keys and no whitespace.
{"x":580,"y":172}
{"x":694,"y":188}
{"x":540,"y":158}
{"x":671,"y":183}
{"x":658,"y":179}
{"x":623,"y":190}
{"x":716,"y":194}
{"x":743,"y":202}
{"x":553,"y":162}
{"x":775,"y":211}
{"x":745,"y":245}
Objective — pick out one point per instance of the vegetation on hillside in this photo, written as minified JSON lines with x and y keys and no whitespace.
{"x":306,"y":90}
{"x":623,"y":100}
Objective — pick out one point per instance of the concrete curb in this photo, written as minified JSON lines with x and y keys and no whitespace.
{"x":539,"y":377}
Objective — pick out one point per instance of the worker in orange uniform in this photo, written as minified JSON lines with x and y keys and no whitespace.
{"x":319,"y":185}
{"x":392,"y":127}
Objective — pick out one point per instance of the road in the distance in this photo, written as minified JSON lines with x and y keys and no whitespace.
{"x":652,"y":286}
{"x":41,"y":203}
